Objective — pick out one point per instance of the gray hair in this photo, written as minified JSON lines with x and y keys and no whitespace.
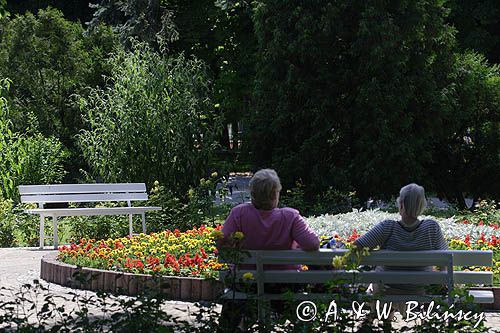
{"x":263,"y":187}
{"x":412,"y":197}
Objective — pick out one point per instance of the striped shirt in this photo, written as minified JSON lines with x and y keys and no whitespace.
{"x":392,"y":235}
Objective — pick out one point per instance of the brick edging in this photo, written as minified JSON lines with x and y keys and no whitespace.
{"x":173,"y":287}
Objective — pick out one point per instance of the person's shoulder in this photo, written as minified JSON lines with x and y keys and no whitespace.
{"x":387,"y":223}
{"x":430,"y":223}
{"x":242,"y":207}
{"x":289,"y":212}
{"x":245,"y":205}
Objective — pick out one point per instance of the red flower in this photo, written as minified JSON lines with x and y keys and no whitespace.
{"x":467,"y":240}
{"x":493,"y":241}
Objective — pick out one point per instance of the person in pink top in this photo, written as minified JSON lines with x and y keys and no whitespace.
{"x":266,"y":227}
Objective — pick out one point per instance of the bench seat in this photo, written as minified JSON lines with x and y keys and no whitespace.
{"x":91,"y":211}
{"x":84,"y":193}
{"x":323,"y":257}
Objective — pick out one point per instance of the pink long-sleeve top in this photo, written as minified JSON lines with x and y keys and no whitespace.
{"x":276,"y":229}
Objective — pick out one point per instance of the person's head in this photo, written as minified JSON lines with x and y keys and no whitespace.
{"x":411,"y":201}
{"x":265,"y":187}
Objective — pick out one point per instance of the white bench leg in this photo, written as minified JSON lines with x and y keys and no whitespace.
{"x":130,"y":229}
{"x":144,"y":222}
{"x":54,"y":226}
{"x":42,"y":230}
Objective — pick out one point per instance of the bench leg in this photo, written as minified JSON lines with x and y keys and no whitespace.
{"x":42,"y":230}
{"x":143,"y":222}
{"x":130,"y":229}
{"x":54,"y":226}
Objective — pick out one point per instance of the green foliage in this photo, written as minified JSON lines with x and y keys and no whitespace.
{"x":48,"y":60}
{"x":466,"y":148}
{"x":485,"y":212}
{"x":330,"y":201}
{"x":6,"y":226}
{"x":3,"y":12}
{"x":154,"y":121}
{"x":26,"y":159}
{"x":148,"y":21}
{"x":16,"y":227}
{"x":43,"y":162}
{"x":99,"y":227}
{"x":477,"y":23}
{"x":181,"y":213}
{"x":346,"y":85}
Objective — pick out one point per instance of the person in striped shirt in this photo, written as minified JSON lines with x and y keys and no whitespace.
{"x":408,"y":234}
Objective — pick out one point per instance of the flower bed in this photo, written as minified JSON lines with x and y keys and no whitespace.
{"x":193,"y":253}
{"x":173,"y":253}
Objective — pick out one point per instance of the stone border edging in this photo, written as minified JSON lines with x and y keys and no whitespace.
{"x":174,"y":287}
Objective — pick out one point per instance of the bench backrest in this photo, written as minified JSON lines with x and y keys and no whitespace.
{"x":448,"y":258}
{"x":59,"y":193}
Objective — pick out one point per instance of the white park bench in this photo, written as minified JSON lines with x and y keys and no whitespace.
{"x":84,"y":193}
{"x":323,"y":257}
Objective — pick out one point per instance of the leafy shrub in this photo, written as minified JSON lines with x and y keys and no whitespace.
{"x":154,"y":121}
{"x":196,"y":208}
{"x":6,"y":224}
{"x":330,"y":201}
{"x":26,"y":159}
{"x":99,"y":227}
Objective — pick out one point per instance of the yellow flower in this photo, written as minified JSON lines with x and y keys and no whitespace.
{"x":214,"y":174}
{"x":305,"y":268}
{"x":247,"y":276}
{"x":337,"y":262}
{"x":217,"y":234}
{"x":238,"y":235}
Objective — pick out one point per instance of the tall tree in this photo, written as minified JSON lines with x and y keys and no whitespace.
{"x":477,"y":23}
{"x":347,"y":92}
{"x":48,"y":59}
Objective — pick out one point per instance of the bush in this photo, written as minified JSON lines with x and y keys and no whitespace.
{"x":26,"y":159}
{"x":7,"y":219}
{"x":154,"y":121}
{"x":330,"y":201}
{"x":99,"y":227}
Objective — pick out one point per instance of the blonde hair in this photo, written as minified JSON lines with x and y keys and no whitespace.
{"x":412,"y":198}
{"x":263,"y":187}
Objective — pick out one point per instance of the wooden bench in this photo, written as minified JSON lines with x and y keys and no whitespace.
{"x":84,"y":193}
{"x":448,"y":258}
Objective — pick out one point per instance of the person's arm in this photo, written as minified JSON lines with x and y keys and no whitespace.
{"x":303,"y":235}
{"x":229,"y":227}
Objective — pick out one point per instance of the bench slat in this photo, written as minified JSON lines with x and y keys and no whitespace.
{"x":382,"y":257}
{"x":84,"y":197}
{"x":482,"y":296}
{"x":464,"y":277}
{"x":392,"y":277}
{"x":91,"y":211}
{"x":472,"y":257}
{"x":81,"y":188}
